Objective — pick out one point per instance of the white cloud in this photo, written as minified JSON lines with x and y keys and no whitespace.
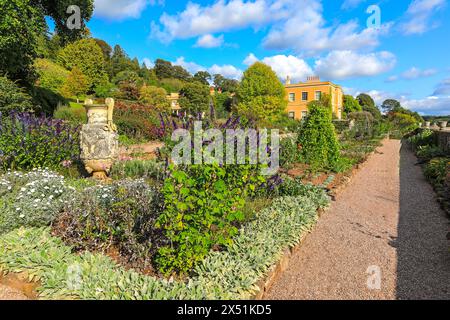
{"x":430,"y":106}
{"x":122,"y":9}
{"x":348,"y":64}
{"x":228,"y":71}
{"x":221,"y":16}
{"x":306,"y":32}
{"x":417,"y":19}
{"x":209,"y":41}
{"x":351,"y":4}
{"x":443,"y":88}
{"x":413,"y":73}
{"x":250,"y":59}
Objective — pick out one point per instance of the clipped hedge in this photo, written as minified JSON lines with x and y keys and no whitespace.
{"x":230,"y":274}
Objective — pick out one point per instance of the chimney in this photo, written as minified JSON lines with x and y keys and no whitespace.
{"x":288,"y":80}
{"x":313,"y":79}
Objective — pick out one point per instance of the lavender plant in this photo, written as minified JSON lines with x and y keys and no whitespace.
{"x":28,"y":141}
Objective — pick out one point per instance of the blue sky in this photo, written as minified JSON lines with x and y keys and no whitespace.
{"x":405,"y":58}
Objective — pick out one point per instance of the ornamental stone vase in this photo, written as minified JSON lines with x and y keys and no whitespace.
{"x":99,"y":140}
{"x":443,"y":125}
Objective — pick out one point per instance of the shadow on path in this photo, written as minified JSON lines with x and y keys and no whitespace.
{"x":423,"y":268}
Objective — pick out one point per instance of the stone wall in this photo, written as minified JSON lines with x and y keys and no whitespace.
{"x":443,"y":139}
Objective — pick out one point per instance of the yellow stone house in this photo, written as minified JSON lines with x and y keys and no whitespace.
{"x":301,"y":93}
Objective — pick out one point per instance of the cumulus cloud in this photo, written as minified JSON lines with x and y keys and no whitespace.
{"x":348,"y":64}
{"x":122,"y":9}
{"x":228,"y":71}
{"x":197,"y":20}
{"x":296,"y":24}
{"x":431,"y":105}
{"x":413,"y":73}
{"x":250,"y":59}
{"x":306,"y":32}
{"x":148,"y":63}
{"x":418,"y":17}
{"x":443,"y":88}
{"x":209,"y":41}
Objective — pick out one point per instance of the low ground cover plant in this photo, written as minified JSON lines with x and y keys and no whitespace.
{"x":256,"y":247}
{"x":32,"y":199}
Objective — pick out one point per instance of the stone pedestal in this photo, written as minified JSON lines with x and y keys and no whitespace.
{"x":99,"y":139}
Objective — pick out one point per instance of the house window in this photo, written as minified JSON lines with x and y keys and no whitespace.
{"x":304,"y":114}
{"x":292,"y":114}
{"x":291,"y":97}
{"x":318,"y":95}
{"x":304,"y":96}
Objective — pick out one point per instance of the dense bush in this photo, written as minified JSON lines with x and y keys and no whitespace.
{"x":30,"y":199}
{"x":12,"y":97}
{"x":27,"y":141}
{"x":121,"y":215}
{"x":73,"y":113}
{"x":437,"y":169}
{"x":317,"y":138}
{"x":51,"y":75}
{"x":423,"y":138}
{"x":45,"y":101}
{"x":289,"y":152}
{"x":203,"y":204}
{"x":429,"y":152}
{"x":137,"y":121}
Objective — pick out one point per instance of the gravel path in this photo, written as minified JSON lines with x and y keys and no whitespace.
{"x":386,"y":217}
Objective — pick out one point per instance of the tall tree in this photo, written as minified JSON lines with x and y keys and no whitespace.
{"x":155,"y":97}
{"x":194,"y":98}
{"x":203,"y":77}
{"x":88,"y":57}
{"x":391,"y":105}
{"x":22,"y":24}
{"x":368,"y":104}
{"x":351,"y":104}
{"x":261,"y":95}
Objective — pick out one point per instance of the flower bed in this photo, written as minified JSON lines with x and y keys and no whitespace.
{"x":229,"y":274}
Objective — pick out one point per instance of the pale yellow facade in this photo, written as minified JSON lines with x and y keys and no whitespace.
{"x":300,"y":94}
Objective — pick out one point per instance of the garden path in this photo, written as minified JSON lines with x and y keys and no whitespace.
{"x":387,"y":217}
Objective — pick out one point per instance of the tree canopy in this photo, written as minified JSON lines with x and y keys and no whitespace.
{"x":261,"y":95}
{"x":368,"y":104}
{"x":194,"y":98}
{"x":351,"y":104}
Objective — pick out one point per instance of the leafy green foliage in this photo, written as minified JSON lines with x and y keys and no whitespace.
{"x":351,"y":104}
{"x":73,"y":113}
{"x":363,"y":127}
{"x":155,"y":97}
{"x":226,"y":85}
{"x":368,"y":104}
{"x":12,"y":97}
{"x":203,"y":203}
{"x":317,"y":138}
{"x":289,"y":152}
{"x":436,"y":170}
{"x":145,"y":169}
{"x":194,"y":98}
{"x":87,"y":56}
{"x":32,"y":199}
{"x":261,"y":95}
{"x":21,"y":25}
{"x":51,"y":75}
{"x":76,"y":84}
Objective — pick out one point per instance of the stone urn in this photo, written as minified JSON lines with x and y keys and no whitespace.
{"x":99,"y":139}
{"x":427,"y":124}
{"x":443,"y":124}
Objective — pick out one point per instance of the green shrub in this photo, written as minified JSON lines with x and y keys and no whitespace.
{"x":73,"y":113}
{"x":436,"y":170}
{"x":12,"y":97}
{"x":423,"y":138}
{"x":203,"y":204}
{"x":364,"y":123}
{"x":317,"y":138}
{"x":51,"y":75}
{"x":30,"y":199}
{"x":428,"y":152}
{"x":121,"y":215}
{"x":46,"y":101}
